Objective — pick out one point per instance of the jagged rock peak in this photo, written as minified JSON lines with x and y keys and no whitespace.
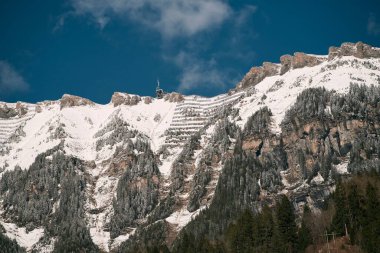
{"x":174,"y":97}
{"x":359,"y":50}
{"x":257,"y":74}
{"x":71,"y":101}
{"x":301,"y":60}
{"x":120,"y":98}
{"x":298,"y":60}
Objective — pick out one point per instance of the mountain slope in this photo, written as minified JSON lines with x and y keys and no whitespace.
{"x":144,"y":165}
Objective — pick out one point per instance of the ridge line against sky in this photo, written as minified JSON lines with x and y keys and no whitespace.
{"x":92,"y":48}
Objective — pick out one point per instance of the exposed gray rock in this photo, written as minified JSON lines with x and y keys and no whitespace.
{"x":135,"y":100}
{"x":21,"y":109}
{"x":157,"y":117}
{"x":174,"y":97}
{"x":71,"y":101}
{"x":301,"y":60}
{"x":119,"y":98}
{"x":359,"y":50}
{"x":38,"y":109}
{"x":148,"y":100}
{"x":286,"y":63}
{"x":6,"y":112}
{"x":257,"y":74}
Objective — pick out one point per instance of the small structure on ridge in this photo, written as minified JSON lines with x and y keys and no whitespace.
{"x":159,"y":92}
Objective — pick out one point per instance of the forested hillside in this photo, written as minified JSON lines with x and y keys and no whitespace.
{"x":354,"y":206}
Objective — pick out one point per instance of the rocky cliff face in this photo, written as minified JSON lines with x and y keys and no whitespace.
{"x":359,"y":50}
{"x":71,"y":101}
{"x":301,"y":60}
{"x":103,"y":174}
{"x":19,"y":110}
{"x":124,"y":99}
{"x":119,"y":98}
{"x":303,"y":162}
{"x":174,"y":97}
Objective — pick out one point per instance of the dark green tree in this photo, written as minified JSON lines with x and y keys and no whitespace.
{"x":340,"y":219}
{"x":9,"y":246}
{"x":354,"y":212}
{"x":371,"y":221}
{"x":286,"y":225}
{"x":304,"y":234}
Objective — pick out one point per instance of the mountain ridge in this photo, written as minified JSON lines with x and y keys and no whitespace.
{"x":145,"y":163}
{"x":258,"y":73}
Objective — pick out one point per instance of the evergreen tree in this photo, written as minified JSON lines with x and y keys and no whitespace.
{"x":9,"y":246}
{"x":304,"y":234}
{"x":340,"y":219}
{"x":371,"y":221}
{"x":286,"y":225}
{"x":354,"y":212}
{"x":266,"y":229}
{"x":241,"y":234}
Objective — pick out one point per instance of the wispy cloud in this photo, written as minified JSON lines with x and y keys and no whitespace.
{"x":244,"y":14}
{"x":10,"y":79}
{"x":373,"y":27}
{"x":203,"y":71}
{"x":172,"y":18}
{"x":61,"y":21}
{"x":200,"y":73}
{"x":185,"y":27}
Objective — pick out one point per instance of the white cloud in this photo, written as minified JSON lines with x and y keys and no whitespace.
{"x":197,"y":73}
{"x":10,"y":80}
{"x":61,"y":21}
{"x":244,"y":14}
{"x":175,"y":19}
{"x":373,"y":27}
{"x":172,"y":18}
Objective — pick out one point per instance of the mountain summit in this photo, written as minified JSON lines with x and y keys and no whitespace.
{"x":144,"y":172}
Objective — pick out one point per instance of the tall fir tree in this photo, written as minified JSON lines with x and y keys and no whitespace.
{"x":286,"y":225}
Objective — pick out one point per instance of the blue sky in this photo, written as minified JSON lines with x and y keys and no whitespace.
{"x":92,"y":48}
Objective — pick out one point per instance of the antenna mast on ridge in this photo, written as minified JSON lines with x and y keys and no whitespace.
{"x":159,"y":92}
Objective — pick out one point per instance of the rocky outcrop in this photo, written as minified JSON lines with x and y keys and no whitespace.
{"x":9,"y":112}
{"x":119,"y":98}
{"x":148,"y":100}
{"x":299,"y":60}
{"x":286,"y":63}
{"x":46,"y":103}
{"x":21,"y":109}
{"x":6,"y":112}
{"x":71,"y":101}
{"x":38,"y":108}
{"x":174,"y":97}
{"x":359,"y":50}
{"x":257,"y":74}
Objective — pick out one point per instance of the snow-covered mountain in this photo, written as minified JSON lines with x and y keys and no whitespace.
{"x":143,"y":161}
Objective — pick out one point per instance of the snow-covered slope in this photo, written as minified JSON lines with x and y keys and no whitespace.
{"x":77,"y":127}
{"x":279,"y":92}
{"x":80,"y":127}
